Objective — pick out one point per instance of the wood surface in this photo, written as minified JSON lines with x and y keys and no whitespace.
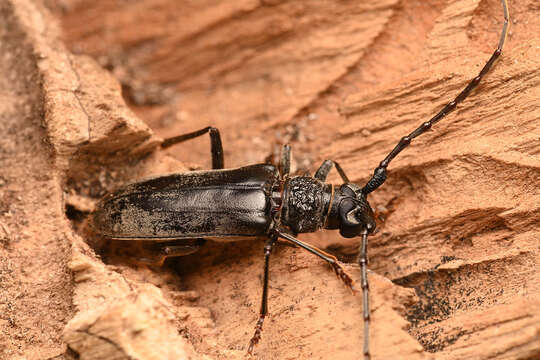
{"x":89,"y":88}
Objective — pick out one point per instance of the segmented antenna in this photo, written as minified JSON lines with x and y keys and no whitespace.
{"x":379,"y":175}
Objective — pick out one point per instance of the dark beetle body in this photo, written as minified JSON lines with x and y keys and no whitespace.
{"x":173,"y":215}
{"x":222,"y":205}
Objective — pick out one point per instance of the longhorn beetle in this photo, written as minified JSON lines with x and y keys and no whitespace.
{"x":178,"y":212}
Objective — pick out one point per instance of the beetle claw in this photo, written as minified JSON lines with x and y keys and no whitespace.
{"x":256,"y":337}
{"x":346,"y":278}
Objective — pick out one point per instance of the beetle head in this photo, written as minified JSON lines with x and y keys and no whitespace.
{"x":350,"y":212}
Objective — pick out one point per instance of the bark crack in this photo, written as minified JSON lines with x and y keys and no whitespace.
{"x":76,"y":94}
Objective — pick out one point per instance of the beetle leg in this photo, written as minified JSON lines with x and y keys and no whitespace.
{"x":285,"y":161}
{"x":215,"y":144}
{"x":264,"y":304}
{"x":156,"y":252}
{"x":331,"y":259}
{"x":326,"y":167}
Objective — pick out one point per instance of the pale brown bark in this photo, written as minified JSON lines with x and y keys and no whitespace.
{"x":342,"y":80}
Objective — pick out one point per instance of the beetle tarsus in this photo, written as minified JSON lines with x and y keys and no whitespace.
{"x":256,"y":336}
{"x":264,"y":302}
{"x":331,"y":259}
{"x":344,"y":276}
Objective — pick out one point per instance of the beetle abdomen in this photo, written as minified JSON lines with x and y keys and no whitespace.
{"x":217,"y":203}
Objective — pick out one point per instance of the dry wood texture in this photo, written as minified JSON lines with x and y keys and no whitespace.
{"x":455,"y":265}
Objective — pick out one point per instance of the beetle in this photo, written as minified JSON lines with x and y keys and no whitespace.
{"x":179,"y":212}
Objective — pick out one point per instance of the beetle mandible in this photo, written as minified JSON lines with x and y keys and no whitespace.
{"x":180,"y":211}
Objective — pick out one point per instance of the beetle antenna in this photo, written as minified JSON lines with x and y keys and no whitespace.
{"x":363,"y":260}
{"x":379,"y":175}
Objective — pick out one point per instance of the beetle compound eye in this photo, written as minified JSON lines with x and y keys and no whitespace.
{"x":349,"y":226}
{"x":352,"y":217}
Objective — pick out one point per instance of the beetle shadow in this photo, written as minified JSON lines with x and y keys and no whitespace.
{"x":215,"y":253}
